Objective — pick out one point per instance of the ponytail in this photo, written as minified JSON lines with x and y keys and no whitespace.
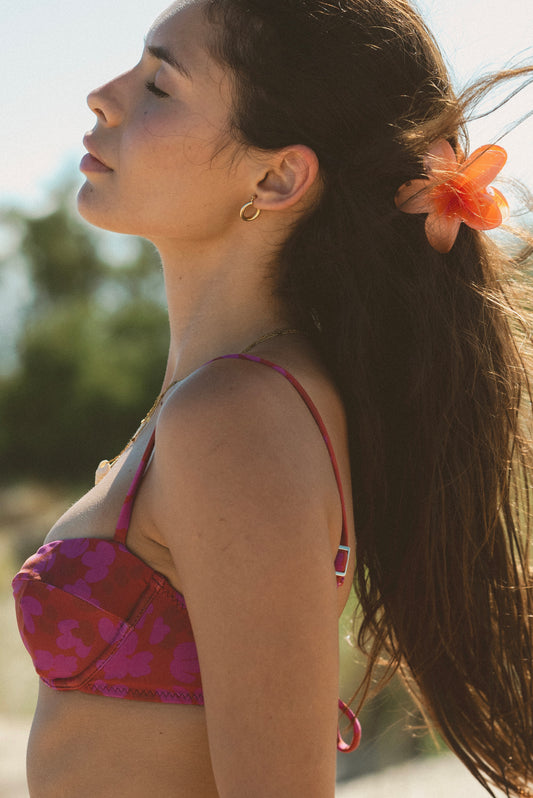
{"x":428,"y":352}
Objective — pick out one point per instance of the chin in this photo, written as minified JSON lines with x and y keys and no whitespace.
{"x":93,"y":210}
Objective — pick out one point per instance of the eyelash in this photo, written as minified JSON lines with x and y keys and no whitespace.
{"x":150,"y":85}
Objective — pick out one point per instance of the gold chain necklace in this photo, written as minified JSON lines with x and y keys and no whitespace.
{"x":269,"y":335}
{"x":105,"y":465}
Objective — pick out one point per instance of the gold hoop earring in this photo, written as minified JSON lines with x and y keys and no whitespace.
{"x":256,"y":211}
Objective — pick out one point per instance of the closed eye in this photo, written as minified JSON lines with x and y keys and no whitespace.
{"x":150,"y":85}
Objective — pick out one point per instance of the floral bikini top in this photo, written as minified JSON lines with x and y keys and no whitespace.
{"x":97,"y":619}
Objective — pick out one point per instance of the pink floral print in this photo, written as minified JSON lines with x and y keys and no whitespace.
{"x":67,"y":639}
{"x":107,"y":629}
{"x":159,"y":631}
{"x":54,"y":666}
{"x":128,"y":662}
{"x":79,"y":588}
{"x":99,"y":561}
{"x":74,"y":548}
{"x":30,"y":606}
{"x":185,"y":664}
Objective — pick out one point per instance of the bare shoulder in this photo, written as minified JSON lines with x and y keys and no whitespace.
{"x":238,"y":435}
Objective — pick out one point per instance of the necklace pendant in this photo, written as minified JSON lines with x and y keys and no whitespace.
{"x":104,"y":467}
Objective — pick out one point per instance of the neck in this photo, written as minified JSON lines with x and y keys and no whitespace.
{"x":217,"y":305}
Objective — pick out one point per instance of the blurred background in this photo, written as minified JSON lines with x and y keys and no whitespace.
{"x":83,"y":333}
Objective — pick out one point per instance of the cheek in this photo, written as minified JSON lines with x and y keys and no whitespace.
{"x":158,"y":123}
{"x":186,"y":138}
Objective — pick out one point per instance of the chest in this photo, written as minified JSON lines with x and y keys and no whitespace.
{"x":96,"y":515}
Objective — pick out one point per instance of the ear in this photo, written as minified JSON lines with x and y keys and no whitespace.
{"x":290,"y":176}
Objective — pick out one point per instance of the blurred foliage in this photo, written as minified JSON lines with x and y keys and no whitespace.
{"x":62,"y":257}
{"x":91,"y":350}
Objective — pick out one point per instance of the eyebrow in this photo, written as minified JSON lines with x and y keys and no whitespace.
{"x":162,"y":54}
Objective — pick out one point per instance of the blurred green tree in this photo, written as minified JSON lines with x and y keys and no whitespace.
{"x":91,"y":352}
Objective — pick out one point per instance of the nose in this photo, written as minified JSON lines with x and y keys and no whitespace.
{"x":106,"y":103}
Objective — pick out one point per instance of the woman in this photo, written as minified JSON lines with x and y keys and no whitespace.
{"x":260,"y":146}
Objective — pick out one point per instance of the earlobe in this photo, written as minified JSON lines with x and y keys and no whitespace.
{"x":289,"y":179}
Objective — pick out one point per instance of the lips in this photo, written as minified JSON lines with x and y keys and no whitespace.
{"x":92,"y":162}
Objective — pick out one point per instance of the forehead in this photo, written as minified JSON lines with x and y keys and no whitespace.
{"x":183,"y":30}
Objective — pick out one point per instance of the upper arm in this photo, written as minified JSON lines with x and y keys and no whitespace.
{"x":238,"y":469}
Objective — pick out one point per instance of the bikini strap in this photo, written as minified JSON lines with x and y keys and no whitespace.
{"x":343,"y":552}
{"x":342,"y":746}
{"x":123,"y":523}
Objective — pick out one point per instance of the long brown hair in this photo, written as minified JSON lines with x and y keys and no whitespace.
{"x":426,"y":350}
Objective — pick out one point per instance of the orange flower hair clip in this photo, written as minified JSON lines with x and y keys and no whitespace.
{"x":456,"y":192}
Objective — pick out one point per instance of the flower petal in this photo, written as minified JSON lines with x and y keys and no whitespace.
{"x":502,"y":203}
{"x":440,"y":157}
{"x":484,"y":165}
{"x":442,"y":231}
{"x":483,"y":211}
{"x":413,"y":197}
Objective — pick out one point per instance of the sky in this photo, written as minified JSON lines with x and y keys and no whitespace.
{"x":54,"y":52}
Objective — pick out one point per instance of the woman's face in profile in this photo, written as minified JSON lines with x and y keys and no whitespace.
{"x":162,"y":129}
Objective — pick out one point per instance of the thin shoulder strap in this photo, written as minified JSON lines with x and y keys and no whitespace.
{"x":343,"y":552}
{"x":123,"y":523}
